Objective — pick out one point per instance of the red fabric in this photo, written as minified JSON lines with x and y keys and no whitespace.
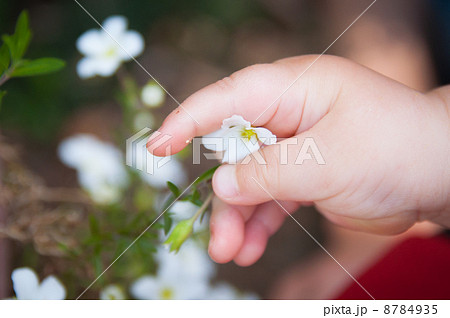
{"x":418,"y":268}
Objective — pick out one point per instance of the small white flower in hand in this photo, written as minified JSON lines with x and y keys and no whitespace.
{"x":105,"y":50}
{"x":237,"y":139}
{"x":26,"y":286}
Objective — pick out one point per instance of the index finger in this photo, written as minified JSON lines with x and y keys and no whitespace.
{"x":247,"y":92}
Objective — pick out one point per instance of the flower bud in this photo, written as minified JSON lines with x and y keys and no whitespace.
{"x":180,"y":234}
{"x":153,"y":95}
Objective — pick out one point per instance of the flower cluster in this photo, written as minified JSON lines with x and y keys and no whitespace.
{"x":186,"y":275}
{"x":123,"y":199}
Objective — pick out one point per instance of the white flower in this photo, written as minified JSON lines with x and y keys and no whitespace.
{"x":112,"y":292}
{"x":100,"y":166}
{"x":105,"y":50}
{"x":223,"y":291}
{"x":183,"y":210}
{"x":185,"y":275}
{"x":191,"y":261}
{"x":153,"y":95}
{"x":237,"y":139}
{"x":26,"y":286}
{"x":168,"y":287}
{"x":163,"y":170}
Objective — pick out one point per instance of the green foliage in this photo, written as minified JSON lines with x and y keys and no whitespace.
{"x":207,"y":175}
{"x":4,"y":58}
{"x":37,"y":67}
{"x":174,"y":189}
{"x":18,"y":42}
{"x":2,"y":94}
{"x":14,"y":48}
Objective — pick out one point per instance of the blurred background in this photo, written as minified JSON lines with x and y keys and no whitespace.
{"x":188,"y":45}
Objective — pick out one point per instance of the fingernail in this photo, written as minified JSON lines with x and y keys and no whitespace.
{"x":225,"y":182}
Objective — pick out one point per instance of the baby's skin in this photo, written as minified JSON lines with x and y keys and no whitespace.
{"x":386,"y":148}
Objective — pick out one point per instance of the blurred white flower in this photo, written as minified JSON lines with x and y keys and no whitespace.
{"x":182,"y":210}
{"x":168,"y":287}
{"x":112,"y":292}
{"x":237,"y":139}
{"x":26,"y":286}
{"x":153,"y":95}
{"x":164,"y":169}
{"x":106,"y":49}
{"x":191,"y":261}
{"x":185,"y":275}
{"x":222,"y":291}
{"x":100,"y":166}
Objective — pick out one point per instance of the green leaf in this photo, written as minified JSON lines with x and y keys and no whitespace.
{"x":19,"y":41}
{"x":167,"y":223}
{"x":174,"y":189}
{"x":38,"y":67}
{"x":2,"y":94}
{"x":4,"y":58}
{"x":207,"y":175}
{"x":22,"y":34}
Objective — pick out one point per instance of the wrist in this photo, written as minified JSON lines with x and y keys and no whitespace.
{"x":439,"y":196}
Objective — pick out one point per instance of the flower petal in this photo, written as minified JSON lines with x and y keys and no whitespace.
{"x":132,"y":44}
{"x":145,"y":287}
{"x":51,"y":288}
{"x":215,"y":140}
{"x":107,"y":66}
{"x":239,"y":149}
{"x":92,"y":43}
{"x":25,"y":283}
{"x":235,"y":120}
{"x":265,"y":136}
{"x":89,"y":67}
{"x":115,"y":25}
{"x":86,"y":68}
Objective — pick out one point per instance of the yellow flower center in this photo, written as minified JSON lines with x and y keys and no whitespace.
{"x":166,"y":294}
{"x":248,"y":134}
{"x":110,"y":52}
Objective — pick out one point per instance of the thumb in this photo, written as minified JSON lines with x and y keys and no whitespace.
{"x":293,"y":170}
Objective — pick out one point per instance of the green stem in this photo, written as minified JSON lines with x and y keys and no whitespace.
{"x":3,"y":79}
{"x":203,"y":207}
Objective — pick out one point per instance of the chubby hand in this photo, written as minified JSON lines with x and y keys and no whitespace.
{"x":386,"y":149}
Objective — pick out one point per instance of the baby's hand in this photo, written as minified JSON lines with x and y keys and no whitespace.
{"x":386,"y":149}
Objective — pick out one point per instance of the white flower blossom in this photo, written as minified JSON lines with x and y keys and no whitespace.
{"x":222,"y":291}
{"x":26,"y":286}
{"x":191,"y":261}
{"x":100,"y":166}
{"x":185,"y":275}
{"x":153,"y":95}
{"x":237,"y":139}
{"x":112,"y":292}
{"x":105,"y":49}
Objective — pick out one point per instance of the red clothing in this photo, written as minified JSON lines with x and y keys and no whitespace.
{"x":418,"y":268}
